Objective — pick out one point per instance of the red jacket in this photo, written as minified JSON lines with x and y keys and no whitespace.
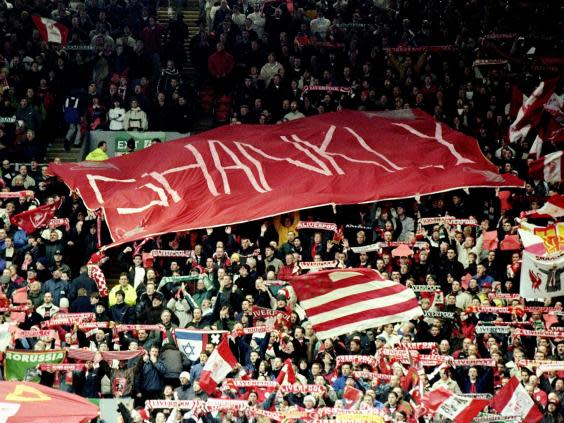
{"x":220,"y":64}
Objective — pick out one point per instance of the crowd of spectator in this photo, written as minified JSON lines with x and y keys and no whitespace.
{"x":121,"y":70}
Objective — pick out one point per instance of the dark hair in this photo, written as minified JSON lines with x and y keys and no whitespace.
{"x":102,"y":143}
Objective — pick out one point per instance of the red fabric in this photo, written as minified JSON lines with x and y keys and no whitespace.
{"x":26,"y":402}
{"x":287,"y":373}
{"x":351,"y":396}
{"x":510,"y":243}
{"x":50,"y":30}
{"x":37,"y":218}
{"x":548,"y":168}
{"x":463,"y":412}
{"x":221,"y":64}
{"x":212,"y":374}
{"x":513,"y":394}
{"x":242,"y":172}
{"x":286,"y":272}
{"x":490,"y":240}
{"x":20,"y":296}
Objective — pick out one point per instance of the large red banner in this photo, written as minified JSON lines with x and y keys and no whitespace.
{"x":244,"y":172}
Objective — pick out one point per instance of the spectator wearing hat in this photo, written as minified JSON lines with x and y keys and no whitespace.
{"x":58,"y":263}
{"x":182,"y":391}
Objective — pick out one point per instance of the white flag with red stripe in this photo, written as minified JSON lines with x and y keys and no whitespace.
{"x":50,"y":30}
{"x":513,"y":400}
{"x":547,"y":168}
{"x":553,"y":208}
{"x":219,"y":365}
{"x":346,"y":300}
{"x":531,"y":112}
{"x":457,"y":408}
{"x":287,"y":373}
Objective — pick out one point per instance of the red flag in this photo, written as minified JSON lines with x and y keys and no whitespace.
{"x":219,"y":365}
{"x":451,"y":406}
{"x":341,"y":301}
{"x":27,"y":402}
{"x":490,"y":240}
{"x":184,"y":184}
{"x":351,"y":396}
{"x":339,"y":235}
{"x":287,"y":373}
{"x":50,"y":30}
{"x":510,"y":243}
{"x":548,"y":168}
{"x":513,"y":400}
{"x":20,"y":296}
{"x":37,"y":218}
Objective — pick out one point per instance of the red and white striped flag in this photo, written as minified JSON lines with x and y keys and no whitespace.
{"x":513,"y":400}
{"x":457,"y":408}
{"x":548,"y":168}
{"x":553,"y":208}
{"x":219,"y":365}
{"x":531,"y":112}
{"x":347,"y":300}
{"x":287,"y":373}
{"x":50,"y":30}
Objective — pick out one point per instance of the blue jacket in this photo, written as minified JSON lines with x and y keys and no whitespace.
{"x":58,"y":289}
{"x":151,"y":376}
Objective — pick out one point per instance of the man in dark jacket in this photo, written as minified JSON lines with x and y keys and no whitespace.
{"x":120,"y":312}
{"x":82,"y":281}
{"x":87,"y":383}
{"x":150,"y":380}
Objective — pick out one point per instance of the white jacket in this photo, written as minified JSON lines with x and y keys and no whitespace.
{"x":116,"y":116}
{"x":135,"y":120}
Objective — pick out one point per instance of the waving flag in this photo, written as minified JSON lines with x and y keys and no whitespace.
{"x":513,"y":400}
{"x":341,"y":301}
{"x":547,"y":168}
{"x":50,"y":30}
{"x":192,"y":341}
{"x":239,"y":173}
{"x":532,"y":110}
{"x":37,"y":218}
{"x":457,"y":408}
{"x":219,"y":365}
{"x":553,"y":208}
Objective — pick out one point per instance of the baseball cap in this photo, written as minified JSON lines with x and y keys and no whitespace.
{"x":58,"y":252}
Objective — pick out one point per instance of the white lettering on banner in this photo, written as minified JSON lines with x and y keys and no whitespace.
{"x":364,"y":145}
{"x":247,"y":158}
{"x":324,"y":169}
{"x":94,"y":185}
{"x":238,"y":166}
{"x":439,"y":138}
